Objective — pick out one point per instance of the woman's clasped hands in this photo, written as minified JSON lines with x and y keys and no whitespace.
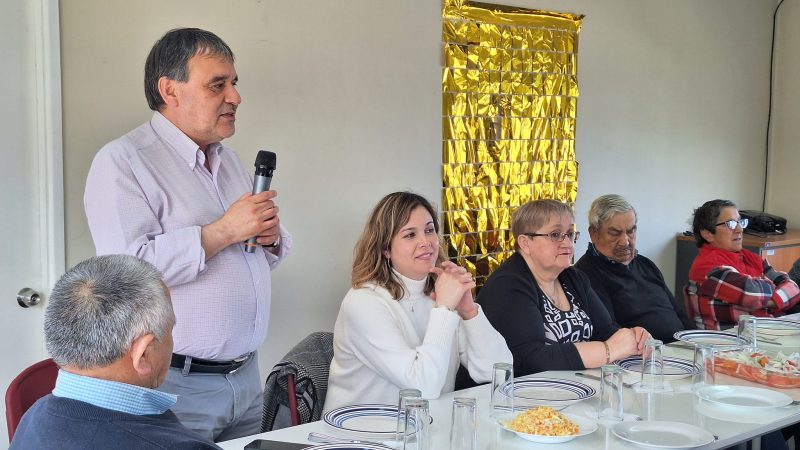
{"x":453,"y":289}
{"x":627,"y":342}
{"x":641,"y":336}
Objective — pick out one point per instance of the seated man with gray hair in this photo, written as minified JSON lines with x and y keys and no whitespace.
{"x":108,"y":325}
{"x":629,"y":284}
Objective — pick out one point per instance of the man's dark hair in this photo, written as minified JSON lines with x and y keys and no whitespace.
{"x":170,"y":57}
{"x":706,"y":216}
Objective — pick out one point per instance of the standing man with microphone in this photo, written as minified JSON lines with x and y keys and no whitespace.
{"x":170,"y":193}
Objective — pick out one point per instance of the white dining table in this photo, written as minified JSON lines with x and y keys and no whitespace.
{"x":729,"y":424}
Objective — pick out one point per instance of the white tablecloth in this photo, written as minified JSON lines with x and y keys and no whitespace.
{"x":731,"y":424}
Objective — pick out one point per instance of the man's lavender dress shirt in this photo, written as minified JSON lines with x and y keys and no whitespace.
{"x":147,"y":194}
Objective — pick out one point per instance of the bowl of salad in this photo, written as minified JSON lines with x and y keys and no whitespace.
{"x":776,"y":370}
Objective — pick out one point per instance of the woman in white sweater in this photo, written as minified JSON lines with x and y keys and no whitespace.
{"x":409,"y":319}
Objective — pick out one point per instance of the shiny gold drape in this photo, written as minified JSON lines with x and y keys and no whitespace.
{"x":509,"y":100}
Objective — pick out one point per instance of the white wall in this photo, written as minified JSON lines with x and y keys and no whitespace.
{"x":672,"y":112}
{"x":782,"y":189}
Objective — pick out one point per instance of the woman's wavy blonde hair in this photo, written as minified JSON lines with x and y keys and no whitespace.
{"x":370,"y":263}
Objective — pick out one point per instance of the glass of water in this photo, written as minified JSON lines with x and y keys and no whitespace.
{"x":403,"y":397}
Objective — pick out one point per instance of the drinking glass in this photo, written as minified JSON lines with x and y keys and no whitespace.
{"x":405,"y":395}
{"x":610,"y":407}
{"x":500,"y":403}
{"x":747,"y":331}
{"x":417,"y":433}
{"x":704,"y":361}
{"x":463,"y":431}
{"x":652,"y":366}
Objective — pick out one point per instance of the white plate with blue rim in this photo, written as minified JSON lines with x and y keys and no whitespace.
{"x":374,"y":420}
{"x":360,"y":446}
{"x":710,"y":337}
{"x":674,"y":368}
{"x":585,"y":426}
{"x":542,"y":391}
{"x":777,"y":327}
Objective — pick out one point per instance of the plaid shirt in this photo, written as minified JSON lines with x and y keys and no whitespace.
{"x":725,"y":285}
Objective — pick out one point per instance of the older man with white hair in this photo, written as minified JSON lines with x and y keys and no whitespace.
{"x":108,"y":325}
{"x":630,"y":285}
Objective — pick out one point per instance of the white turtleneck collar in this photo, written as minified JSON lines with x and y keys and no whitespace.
{"x":416,"y":305}
{"x":414,"y":288}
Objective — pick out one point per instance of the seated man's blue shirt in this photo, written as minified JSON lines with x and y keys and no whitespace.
{"x":113,"y":395}
{"x":85,"y":412}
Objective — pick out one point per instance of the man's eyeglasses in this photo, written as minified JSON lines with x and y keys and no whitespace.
{"x":557,"y":236}
{"x":731,"y":224}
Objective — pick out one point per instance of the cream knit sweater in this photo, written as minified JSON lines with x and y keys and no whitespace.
{"x":382,"y":345}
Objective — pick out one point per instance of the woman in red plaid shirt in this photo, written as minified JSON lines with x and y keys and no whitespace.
{"x":728,"y":280}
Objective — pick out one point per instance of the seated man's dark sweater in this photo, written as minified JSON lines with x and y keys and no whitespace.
{"x":635,"y":294}
{"x":63,"y":423}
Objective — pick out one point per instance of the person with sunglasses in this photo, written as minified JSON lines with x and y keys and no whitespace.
{"x":729,"y":280}
{"x":546,"y":310}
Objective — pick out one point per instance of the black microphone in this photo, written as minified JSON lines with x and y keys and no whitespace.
{"x":265,"y":164}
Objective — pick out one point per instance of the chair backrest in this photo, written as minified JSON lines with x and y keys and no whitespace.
{"x":30,"y":385}
{"x":298,"y":383}
{"x":691,"y":304}
{"x":291,"y":394}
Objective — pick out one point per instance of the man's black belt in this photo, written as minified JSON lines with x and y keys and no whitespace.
{"x":198,"y":365}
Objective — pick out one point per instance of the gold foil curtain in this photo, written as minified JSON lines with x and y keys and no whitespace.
{"x":509,"y":98}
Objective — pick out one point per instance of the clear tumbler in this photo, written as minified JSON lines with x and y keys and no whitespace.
{"x":463,"y":424}
{"x":404,"y":395}
{"x":704,"y":363}
{"x":747,"y":331}
{"x":610,"y":407}
{"x":502,"y":384}
{"x":417,"y":432}
{"x":652,"y":366}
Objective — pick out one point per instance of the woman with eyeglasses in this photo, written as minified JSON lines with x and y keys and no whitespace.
{"x":729,"y":280}
{"x":545,"y":309}
{"x":409,"y":319}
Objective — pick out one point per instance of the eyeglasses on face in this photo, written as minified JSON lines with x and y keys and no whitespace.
{"x":557,"y":236}
{"x":731,"y":224}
